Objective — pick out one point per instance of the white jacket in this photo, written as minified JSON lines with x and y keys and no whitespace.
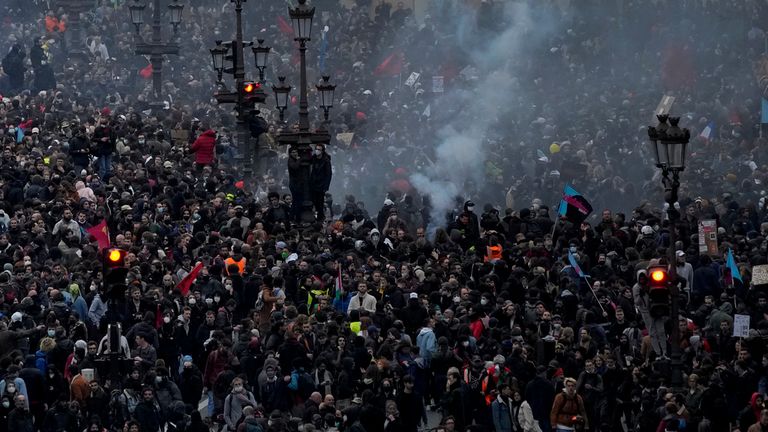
{"x":525,"y":418}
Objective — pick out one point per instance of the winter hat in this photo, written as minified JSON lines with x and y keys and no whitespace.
{"x":186,"y":359}
{"x":81,"y":344}
{"x":16,"y":317}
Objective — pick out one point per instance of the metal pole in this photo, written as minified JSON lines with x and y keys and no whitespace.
{"x":156,"y":59}
{"x":305,"y":152}
{"x":676,"y":381}
{"x":244,"y":150}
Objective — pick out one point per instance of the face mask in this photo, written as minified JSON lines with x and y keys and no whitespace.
{"x":158,"y":379}
{"x":51,"y":333}
{"x":470,"y":208}
{"x":483,"y":302}
{"x":209,"y":301}
{"x":166,"y":319}
{"x":6,"y":404}
{"x":466,"y":344}
{"x":318,"y":152}
{"x":269,"y":423}
{"x":573,"y":249}
{"x":238,"y":388}
{"x":192,"y":301}
{"x":368,"y":380}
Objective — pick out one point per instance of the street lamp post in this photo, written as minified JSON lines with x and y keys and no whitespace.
{"x":246,"y":94}
{"x":156,"y":48}
{"x":669,"y":143}
{"x":75,"y":41}
{"x":302,"y":138}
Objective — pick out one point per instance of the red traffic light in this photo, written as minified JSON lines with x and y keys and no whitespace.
{"x":658,"y":275}
{"x":250,"y":87}
{"x":114,"y":257}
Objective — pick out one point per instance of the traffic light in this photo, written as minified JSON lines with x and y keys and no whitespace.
{"x":115,"y":272}
{"x":658,"y":293}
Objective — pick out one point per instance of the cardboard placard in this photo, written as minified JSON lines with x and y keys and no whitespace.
{"x":708,"y":237}
{"x":437,"y":84}
{"x":412,"y":78}
{"x":740,"y":325}
{"x":345,"y":138}
{"x":760,"y":274}
{"x":665,"y":105}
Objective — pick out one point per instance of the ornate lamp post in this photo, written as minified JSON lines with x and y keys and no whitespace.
{"x":303,"y":138}
{"x":75,"y":41}
{"x":669,"y":143}
{"x":156,"y":48}
{"x":246,"y":94}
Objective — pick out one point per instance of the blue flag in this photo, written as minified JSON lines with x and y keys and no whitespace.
{"x":731,"y":264}
{"x":764,"y":111}
{"x":575,"y":265}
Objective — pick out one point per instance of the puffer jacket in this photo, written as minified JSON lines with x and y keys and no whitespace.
{"x":204,"y":147}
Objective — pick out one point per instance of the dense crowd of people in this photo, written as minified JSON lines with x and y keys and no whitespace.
{"x":381,"y":315}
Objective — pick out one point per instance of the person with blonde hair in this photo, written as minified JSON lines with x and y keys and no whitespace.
{"x":47,"y":344}
{"x":568,"y":410}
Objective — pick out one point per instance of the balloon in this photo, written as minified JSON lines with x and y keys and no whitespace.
{"x":554,"y":148}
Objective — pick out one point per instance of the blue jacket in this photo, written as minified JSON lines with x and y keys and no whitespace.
{"x":502,"y":417}
{"x":41,"y":362}
{"x":427,"y":343}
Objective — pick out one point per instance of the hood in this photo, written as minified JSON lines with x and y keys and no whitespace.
{"x":370,"y":237}
{"x":79,"y":185}
{"x":209,"y":133}
{"x":727,"y":308}
{"x":425,"y":330}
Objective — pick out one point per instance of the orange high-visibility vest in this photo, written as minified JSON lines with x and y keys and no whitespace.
{"x":493,"y":253}
{"x":240,"y":264}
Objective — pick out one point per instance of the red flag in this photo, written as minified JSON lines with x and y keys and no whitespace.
{"x":391,"y":65}
{"x":189,"y":279}
{"x":146,"y":73}
{"x":283,"y":25}
{"x":100,"y":233}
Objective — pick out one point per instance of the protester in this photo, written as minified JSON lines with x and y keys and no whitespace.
{"x":417,"y":312}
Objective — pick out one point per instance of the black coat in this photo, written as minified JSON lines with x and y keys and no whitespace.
{"x":320,"y":174}
{"x":148,"y":416}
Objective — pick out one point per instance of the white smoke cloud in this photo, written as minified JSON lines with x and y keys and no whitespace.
{"x":461,"y":154}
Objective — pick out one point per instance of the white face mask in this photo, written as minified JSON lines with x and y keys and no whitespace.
{"x":158,"y":379}
{"x":483,"y":302}
{"x":166,"y":319}
{"x":209,"y":301}
{"x":192,"y":301}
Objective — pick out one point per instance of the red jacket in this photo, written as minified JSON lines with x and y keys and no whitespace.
{"x":204,"y":147}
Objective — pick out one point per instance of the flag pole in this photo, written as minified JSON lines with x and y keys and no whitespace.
{"x":586,"y":279}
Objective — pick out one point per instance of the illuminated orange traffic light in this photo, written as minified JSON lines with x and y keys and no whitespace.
{"x":248,"y":87}
{"x":115,"y":255}
{"x":658,"y":275}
